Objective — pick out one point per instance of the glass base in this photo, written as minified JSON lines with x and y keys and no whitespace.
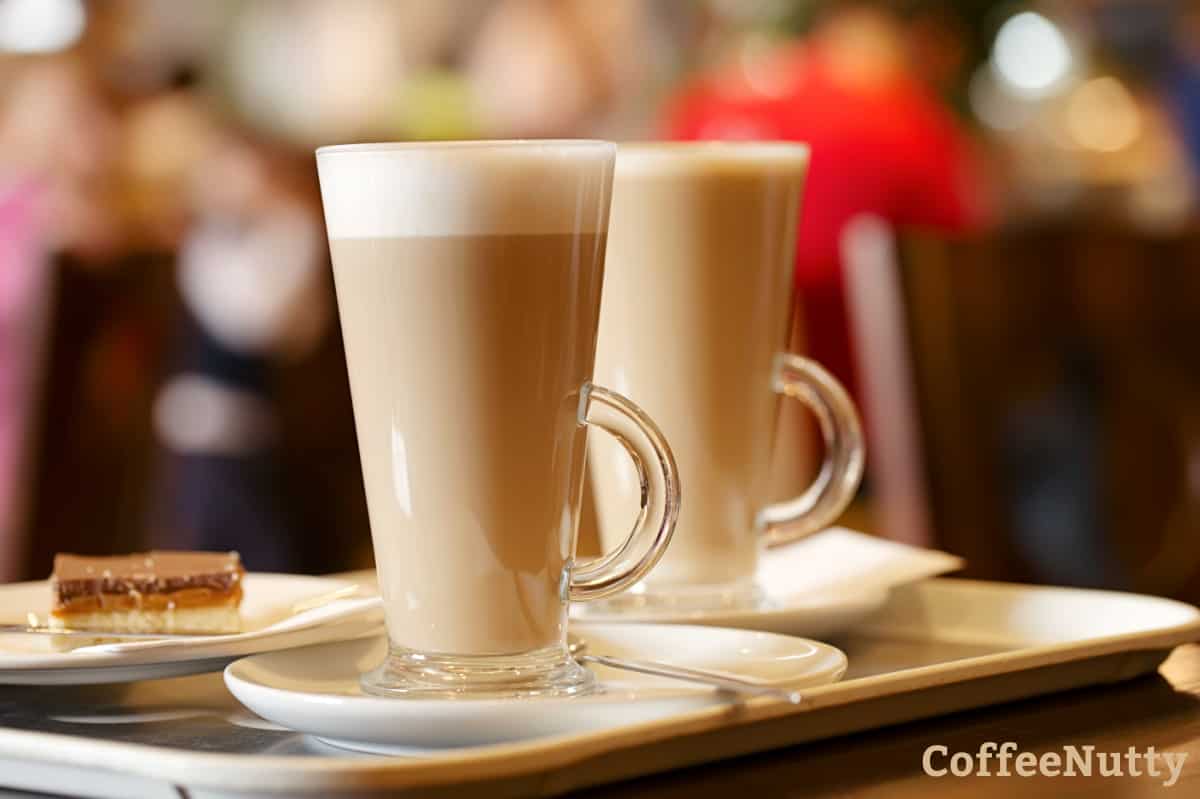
{"x":409,"y":674}
{"x":677,"y":599}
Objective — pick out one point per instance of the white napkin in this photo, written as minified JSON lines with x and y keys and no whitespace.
{"x":839,"y":560}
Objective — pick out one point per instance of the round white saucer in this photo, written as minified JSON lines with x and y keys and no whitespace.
{"x":315,"y":689}
{"x":784,"y":609}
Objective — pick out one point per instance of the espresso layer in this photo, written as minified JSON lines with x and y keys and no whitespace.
{"x":150,"y":579}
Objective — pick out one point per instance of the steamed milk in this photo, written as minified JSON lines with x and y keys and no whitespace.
{"x":697,"y":302}
{"x":467,"y":307}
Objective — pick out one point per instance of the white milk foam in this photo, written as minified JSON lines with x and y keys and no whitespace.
{"x":465,"y":188}
{"x":710,"y":157}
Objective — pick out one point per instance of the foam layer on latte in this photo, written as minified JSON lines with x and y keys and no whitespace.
{"x":465,"y":188}
{"x":712,"y":158}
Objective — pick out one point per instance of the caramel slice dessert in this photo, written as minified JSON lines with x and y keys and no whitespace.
{"x":150,"y":592}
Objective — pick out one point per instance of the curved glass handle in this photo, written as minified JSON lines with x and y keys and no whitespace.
{"x":659,"y":478}
{"x":821,"y":504}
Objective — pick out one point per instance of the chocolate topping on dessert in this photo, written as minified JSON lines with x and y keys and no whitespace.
{"x":156,"y":572}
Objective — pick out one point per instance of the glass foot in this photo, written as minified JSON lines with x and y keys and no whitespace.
{"x":409,"y":674}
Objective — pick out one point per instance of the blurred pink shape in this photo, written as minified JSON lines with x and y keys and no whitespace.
{"x":23,"y":281}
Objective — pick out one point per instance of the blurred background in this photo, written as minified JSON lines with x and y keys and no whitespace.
{"x":999,"y":253}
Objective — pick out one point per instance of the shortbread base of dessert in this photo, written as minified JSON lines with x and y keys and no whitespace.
{"x":214,"y":620}
{"x":180,"y":621}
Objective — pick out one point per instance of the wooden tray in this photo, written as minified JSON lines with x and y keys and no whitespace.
{"x":940,"y":646}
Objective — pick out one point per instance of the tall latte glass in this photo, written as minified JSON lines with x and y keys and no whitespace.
{"x":468,"y":282}
{"x":694,"y":322}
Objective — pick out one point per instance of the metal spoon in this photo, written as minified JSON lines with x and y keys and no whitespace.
{"x":724,"y":682}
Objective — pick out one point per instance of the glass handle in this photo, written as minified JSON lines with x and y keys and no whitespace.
{"x":821,"y":504}
{"x":654,"y":464}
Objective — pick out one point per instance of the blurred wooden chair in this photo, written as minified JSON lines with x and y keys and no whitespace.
{"x":93,"y":448}
{"x":1056,"y":386}
{"x":96,"y":465}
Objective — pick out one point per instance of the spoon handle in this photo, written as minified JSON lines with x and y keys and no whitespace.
{"x":724,"y":682}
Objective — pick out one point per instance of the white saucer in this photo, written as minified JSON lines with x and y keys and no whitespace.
{"x":820,"y":586}
{"x":269,"y":599}
{"x":786,"y":608}
{"x":315,"y":690}
{"x":818,"y":616}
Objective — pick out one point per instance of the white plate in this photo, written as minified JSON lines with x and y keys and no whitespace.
{"x":315,"y":690}
{"x":269,"y":598}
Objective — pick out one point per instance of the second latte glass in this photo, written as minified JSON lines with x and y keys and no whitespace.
{"x":694,"y":322}
{"x":468,"y":283}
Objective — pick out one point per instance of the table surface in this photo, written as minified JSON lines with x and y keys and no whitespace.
{"x":1162,"y":711}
